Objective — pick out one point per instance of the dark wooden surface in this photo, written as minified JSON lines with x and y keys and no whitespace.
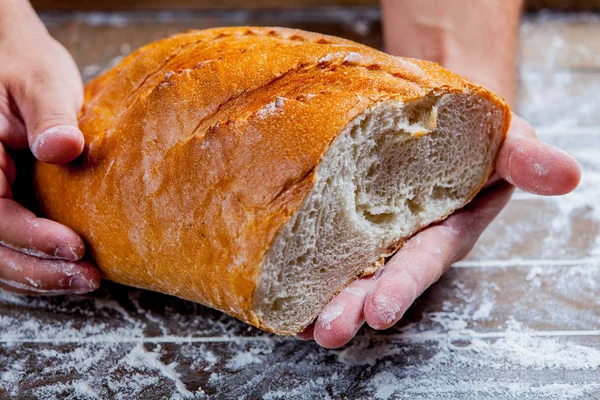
{"x":518,"y":319}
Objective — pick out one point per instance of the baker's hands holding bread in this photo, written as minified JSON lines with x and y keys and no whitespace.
{"x":40,"y":95}
{"x":41,"y":92}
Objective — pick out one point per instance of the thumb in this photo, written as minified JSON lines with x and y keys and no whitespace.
{"x":49,"y":110}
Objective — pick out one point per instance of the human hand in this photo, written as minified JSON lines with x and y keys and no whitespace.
{"x":380,"y":300}
{"x":40,"y":95}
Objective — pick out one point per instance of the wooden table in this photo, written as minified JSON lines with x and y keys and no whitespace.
{"x":518,"y":319}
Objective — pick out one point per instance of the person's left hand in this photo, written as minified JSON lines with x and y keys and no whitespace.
{"x":381,"y":299}
{"x":40,"y":95}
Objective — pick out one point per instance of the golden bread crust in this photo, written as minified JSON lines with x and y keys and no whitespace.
{"x":200,"y":146}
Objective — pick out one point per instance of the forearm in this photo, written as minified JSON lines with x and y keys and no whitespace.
{"x":16,"y":14}
{"x":477,"y":39}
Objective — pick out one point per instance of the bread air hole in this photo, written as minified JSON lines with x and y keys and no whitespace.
{"x":393,"y":170}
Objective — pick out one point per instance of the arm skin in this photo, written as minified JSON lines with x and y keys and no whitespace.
{"x":40,"y":95}
{"x":477,"y":39}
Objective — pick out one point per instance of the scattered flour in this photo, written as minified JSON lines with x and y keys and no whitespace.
{"x":533,"y":276}
{"x":484,"y":310}
{"x":541,"y":169}
{"x":271,"y":107}
{"x":312,"y":386}
{"x":83,"y":389}
{"x":330,"y":57}
{"x":411,"y":67}
{"x":385,"y":384}
{"x":141,"y":358}
{"x":330,"y":314}
{"x":387,"y":308}
{"x":243,"y":359}
{"x":353,"y":57}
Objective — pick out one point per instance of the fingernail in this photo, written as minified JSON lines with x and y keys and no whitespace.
{"x":306,"y":335}
{"x":80,"y":284}
{"x":66,"y":253}
{"x":63,"y":131}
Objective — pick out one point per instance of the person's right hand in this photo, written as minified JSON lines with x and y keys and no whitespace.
{"x":40,"y":95}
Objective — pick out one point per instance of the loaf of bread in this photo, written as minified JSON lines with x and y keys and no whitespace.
{"x":259,"y":171}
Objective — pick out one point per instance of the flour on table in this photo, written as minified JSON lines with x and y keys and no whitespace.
{"x":141,"y":358}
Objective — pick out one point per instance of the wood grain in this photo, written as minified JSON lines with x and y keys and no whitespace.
{"x":407,"y":372}
{"x":461,"y":334}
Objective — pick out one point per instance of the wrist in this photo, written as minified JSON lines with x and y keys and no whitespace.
{"x":18,"y":16}
{"x":495,"y":70}
{"x":476,"y":39}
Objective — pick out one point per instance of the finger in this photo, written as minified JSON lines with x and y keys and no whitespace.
{"x":49,"y":109}
{"x":534,"y":166}
{"x":343,"y":316}
{"x":7,"y":166}
{"x":308,"y":333}
{"x":12,"y":131}
{"x":5,"y":191}
{"x":32,"y":275}
{"x":21,"y":230}
{"x":492,"y":180}
{"x":426,"y":256}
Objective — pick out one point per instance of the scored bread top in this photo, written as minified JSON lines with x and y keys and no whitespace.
{"x":200,"y":146}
